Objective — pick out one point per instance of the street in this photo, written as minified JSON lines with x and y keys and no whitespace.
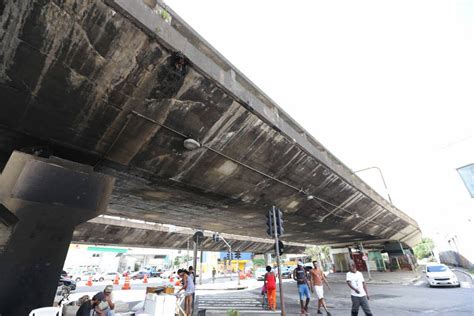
{"x":385,"y":299}
{"x":391,"y":294}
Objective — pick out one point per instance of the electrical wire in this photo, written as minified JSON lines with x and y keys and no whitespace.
{"x":299,"y":190}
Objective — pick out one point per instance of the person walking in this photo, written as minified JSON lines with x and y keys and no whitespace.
{"x":317,"y":279}
{"x":359,"y":294}
{"x":301,"y":278}
{"x":269,"y":283}
{"x":214,"y":274}
{"x":188,"y":287}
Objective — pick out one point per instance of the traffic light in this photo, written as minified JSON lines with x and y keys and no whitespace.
{"x":237,"y":255}
{"x":281,"y":247}
{"x":216,"y":237}
{"x":270,"y":230}
{"x":198,"y":236}
{"x":279,"y":222}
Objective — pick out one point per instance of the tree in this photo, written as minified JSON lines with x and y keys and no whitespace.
{"x":319,"y":253}
{"x":424,"y":249}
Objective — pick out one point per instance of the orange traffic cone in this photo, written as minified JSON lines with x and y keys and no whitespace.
{"x":89,"y":282}
{"x":117,"y":279}
{"x":126,"y":285}
{"x":145,"y":278}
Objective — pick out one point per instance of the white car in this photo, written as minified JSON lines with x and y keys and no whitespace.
{"x":440,"y":275}
{"x":110,"y":276}
{"x":260,"y":274}
{"x":84,"y":276}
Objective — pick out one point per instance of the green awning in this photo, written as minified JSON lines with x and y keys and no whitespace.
{"x":106,"y":249}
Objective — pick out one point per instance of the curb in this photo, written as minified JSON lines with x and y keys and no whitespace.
{"x":383,"y":282}
{"x":243,"y":287}
{"x":465,"y":273}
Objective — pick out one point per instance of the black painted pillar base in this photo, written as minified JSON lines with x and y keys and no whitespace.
{"x":46,"y":198}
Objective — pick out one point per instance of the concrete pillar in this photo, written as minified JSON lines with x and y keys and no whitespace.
{"x":48,"y":197}
{"x":367,"y":265}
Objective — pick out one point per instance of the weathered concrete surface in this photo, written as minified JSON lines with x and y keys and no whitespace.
{"x":101,"y":83}
{"x":43,"y":225}
{"x":107,"y":230}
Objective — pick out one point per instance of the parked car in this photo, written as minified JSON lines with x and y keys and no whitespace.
{"x":440,"y":275}
{"x":84,"y":276}
{"x":287,"y":272}
{"x":260,"y":274}
{"x":109,"y":276}
{"x":139,"y":275}
{"x":153,"y":273}
{"x":65,"y":281}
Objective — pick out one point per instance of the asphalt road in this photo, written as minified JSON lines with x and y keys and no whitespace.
{"x":384,"y":300}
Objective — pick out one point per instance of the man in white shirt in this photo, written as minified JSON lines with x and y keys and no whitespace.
{"x":359,"y":293}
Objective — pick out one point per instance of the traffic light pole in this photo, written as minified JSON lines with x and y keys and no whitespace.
{"x":277,"y":247}
{"x":230,"y":254}
{"x":195,"y":252}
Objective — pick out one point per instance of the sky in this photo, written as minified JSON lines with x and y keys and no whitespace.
{"x":379,"y":83}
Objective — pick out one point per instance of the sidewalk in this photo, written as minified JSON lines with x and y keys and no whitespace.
{"x":397,"y":277}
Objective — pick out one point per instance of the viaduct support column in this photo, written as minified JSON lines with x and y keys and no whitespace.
{"x":44,"y":199}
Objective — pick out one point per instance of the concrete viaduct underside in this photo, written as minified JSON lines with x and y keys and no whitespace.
{"x":102,"y":83}
{"x":114,"y":88}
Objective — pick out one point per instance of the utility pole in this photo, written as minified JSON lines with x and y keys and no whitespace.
{"x":216,"y":237}
{"x":197,"y":237}
{"x":366,"y":261}
{"x":277,"y":248}
{"x":200,"y":268}
{"x":187,"y":251}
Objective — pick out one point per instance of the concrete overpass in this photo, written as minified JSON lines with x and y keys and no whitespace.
{"x":132,"y":233}
{"x":116,"y":87}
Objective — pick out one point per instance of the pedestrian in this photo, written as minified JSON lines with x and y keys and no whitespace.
{"x":188,"y":288}
{"x":87,"y":306}
{"x":106,"y":305}
{"x":301,"y":278}
{"x":214,"y":274}
{"x":359,"y":294}
{"x":108,"y":298}
{"x":191,"y":272}
{"x":269,"y":283}
{"x":317,"y":279}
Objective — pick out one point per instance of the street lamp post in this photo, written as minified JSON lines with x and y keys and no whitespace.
{"x":383,"y":179}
